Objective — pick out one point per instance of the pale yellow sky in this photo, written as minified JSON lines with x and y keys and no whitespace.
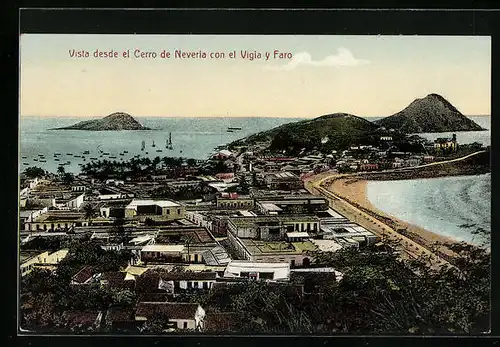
{"x":362,"y":75}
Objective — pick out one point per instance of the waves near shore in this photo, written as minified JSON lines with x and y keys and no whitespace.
{"x":455,"y":207}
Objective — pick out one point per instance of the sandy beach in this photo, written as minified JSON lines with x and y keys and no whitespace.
{"x":354,"y":190}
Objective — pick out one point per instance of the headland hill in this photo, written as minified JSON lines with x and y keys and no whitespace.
{"x":113,"y":122}
{"x":351,"y":140}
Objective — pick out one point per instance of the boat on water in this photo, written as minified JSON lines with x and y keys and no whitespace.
{"x":125,"y":151}
{"x":57,"y":159}
{"x":230,"y":131}
{"x":24,"y":157}
{"x":143,"y":145}
{"x":122,"y":154}
{"x":159,"y":150}
{"x":86,"y":152}
{"x":69,"y":153}
{"x":168,"y":143}
{"x":112,"y":157}
{"x":233,"y":128}
{"x":147,"y":153}
{"x":105,"y":153}
{"x":25,"y":164}
{"x":153,"y":145}
{"x":36,"y":159}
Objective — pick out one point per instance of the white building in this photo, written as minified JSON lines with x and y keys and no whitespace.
{"x":183,"y":315}
{"x":43,"y":260}
{"x":264,"y":271}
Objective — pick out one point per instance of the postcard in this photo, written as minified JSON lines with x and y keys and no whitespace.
{"x":254,"y":184}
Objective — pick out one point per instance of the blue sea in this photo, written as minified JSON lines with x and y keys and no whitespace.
{"x":191,"y":137}
{"x":456,"y":207}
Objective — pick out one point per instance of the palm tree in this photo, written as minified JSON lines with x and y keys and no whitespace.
{"x":61,"y":171}
{"x":90,"y":212}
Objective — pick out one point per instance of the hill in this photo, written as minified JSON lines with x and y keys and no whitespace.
{"x":115,"y":121}
{"x":432,"y":114}
{"x":332,"y":131}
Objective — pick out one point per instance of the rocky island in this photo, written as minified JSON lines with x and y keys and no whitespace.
{"x":432,"y":114}
{"x":113,"y":122}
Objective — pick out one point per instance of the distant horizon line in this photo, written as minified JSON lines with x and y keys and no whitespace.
{"x":291,"y":117}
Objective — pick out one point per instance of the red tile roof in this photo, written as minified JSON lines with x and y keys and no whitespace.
{"x":83,"y":275}
{"x":119,"y":314}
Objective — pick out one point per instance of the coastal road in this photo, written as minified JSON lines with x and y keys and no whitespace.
{"x":411,"y":248}
{"x":438,"y":162}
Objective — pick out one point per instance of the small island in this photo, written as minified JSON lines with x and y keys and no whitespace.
{"x":114,"y":122}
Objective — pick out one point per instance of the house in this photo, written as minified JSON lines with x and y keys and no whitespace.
{"x":272,"y":227}
{"x":183,"y":315}
{"x":113,"y":209}
{"x":155,"y":209}
{"x":43,"y":260}
{"x":176,"y":282}
{"x":54,"y":220}
{"x":86,"y":275}
{"x":368,"y":167}
{"x":75,"y":202}
{"x":216,"y":256}
{"x":225,"y":177}
{"x":116,"y":280}
{"x":234,"y":201}
{"x":446,"y":143}
{"x":291,"y":204}
{"x":163,"y":253}
{"x":282,"y":180}
{"x":120,"y":319}
{"x":223,"y":154}
{"x":257,"y":271}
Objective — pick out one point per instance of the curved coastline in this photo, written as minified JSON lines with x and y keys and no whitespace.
{"x":353,"y":188}
{"x":455,"y":206}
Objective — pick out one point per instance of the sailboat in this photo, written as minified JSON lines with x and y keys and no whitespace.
{"x":153,"y":144}
{"x":143,"y":145}
{"x":168,"y":144}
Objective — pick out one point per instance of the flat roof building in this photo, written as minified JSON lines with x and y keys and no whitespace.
{"x":258,"y":271}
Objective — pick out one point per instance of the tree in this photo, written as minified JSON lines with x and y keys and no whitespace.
{"x":156,"y":324}
{"x":90,"y":211}
{"x":61,"y":171}
{"x":68,"y":178}
{"x":124,"y":298}
{"x":34,"y":172}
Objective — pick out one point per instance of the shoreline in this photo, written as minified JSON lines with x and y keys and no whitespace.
{"x":354,"y":191}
